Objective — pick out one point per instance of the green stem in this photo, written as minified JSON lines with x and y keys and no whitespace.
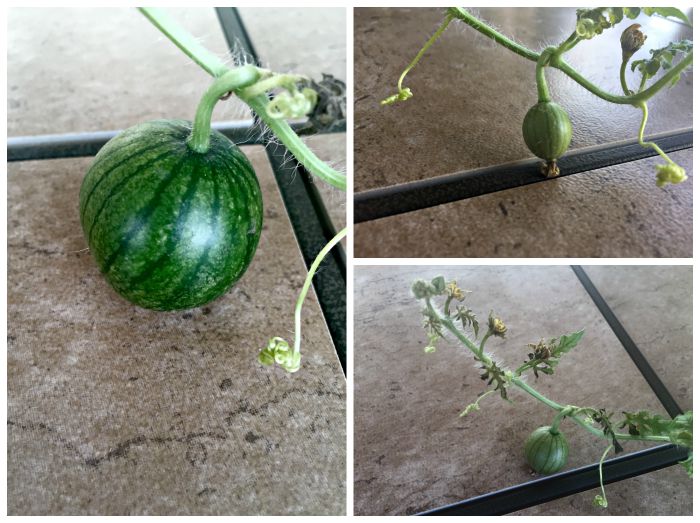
{"x":560,"y":417}
{"x":542,"y":89}
{"x":185,"y":41}
{"x":231,"y":80}
{"x":307,"y":285}
{"x":447,"y":322}
{"x":301,"y":152}
{"x":462,"y":14}
{"x":569,"y":43}
{"x":215,"y":67}
{"x":623,"y":75}
{"x":446,"y":309}
{"x":643,"y":82}
{"x":483,"y":342}
{"x":521,"y":384}
{"x":641,"y":96}
{"x":427,"y":46}
{"x":604,"y":501}
{"x":645,"y":117}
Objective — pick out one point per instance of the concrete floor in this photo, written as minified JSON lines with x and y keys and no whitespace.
{"x":116,"y":410}
{"x":413,"y":452}
{"x":470,"y":96}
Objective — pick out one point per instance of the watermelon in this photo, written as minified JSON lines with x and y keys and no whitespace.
{"x":170,"y":228}
{"x":547,"y":130}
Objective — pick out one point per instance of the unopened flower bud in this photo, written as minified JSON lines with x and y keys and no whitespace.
{"x":631,"y":41}
{"x":496,"y":326}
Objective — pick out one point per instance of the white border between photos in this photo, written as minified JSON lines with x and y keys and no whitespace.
{"x":349,"y":249}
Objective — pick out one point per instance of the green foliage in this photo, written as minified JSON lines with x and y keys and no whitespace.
{"x":495,"y":375}
{"x":467,"y":317}
{"x":663,"y":59}
{"x":602,"y":418}
{"x":546,"y":355}
{"x":679,"y":429}
{"x":592,"y":22}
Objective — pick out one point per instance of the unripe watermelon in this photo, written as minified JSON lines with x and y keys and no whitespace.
{"x":546,"y":451}
{"x":170,"y":228}
{"x":547,"y":130}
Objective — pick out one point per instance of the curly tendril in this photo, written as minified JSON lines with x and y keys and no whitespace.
{"x":292,"y":103}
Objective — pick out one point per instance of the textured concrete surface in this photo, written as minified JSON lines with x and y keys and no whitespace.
{"x":470,"y":97}
{"x":413,"y":452}
{"x":113,"y":409}
{"x":655,"y":305}
{"x":117,"y":410}
{"x":612,"y":212}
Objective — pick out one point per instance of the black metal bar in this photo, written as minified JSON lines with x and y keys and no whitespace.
{"x":630,"y":346}
{"x":557,"y":486}
{"x":407,"y":197}
{"x":73,"y":145}
{"x":305,"y":207}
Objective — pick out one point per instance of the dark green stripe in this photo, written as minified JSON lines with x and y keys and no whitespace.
{"x":176,"y":233}
{"x":111,"y":169}
{"x":550,"y":454}
{"x":185,"y":284}
{"x":536,"y":450}
{"x":144,"y":213}
{"x":121,"y":184}
{"x":239,"y":189}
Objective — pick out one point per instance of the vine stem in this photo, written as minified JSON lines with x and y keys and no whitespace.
{"x":634,"y":99}
{"x":301,"y":152}
{"x":623,"y":75}
{"x":645,"y":117}
{"x":307,"y":285}
{"x":542,"y":89}
{"x":185,"y":41}
{"x":604,"y":500}
{"x":258,"y":103}
{"x":521,"y":384}
{"x":427,"y":46}
{"x":231,"y":80}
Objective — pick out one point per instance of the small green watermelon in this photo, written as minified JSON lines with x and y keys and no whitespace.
{"x":170,"y":228}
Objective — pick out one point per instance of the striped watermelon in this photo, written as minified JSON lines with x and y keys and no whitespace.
{"x":546,"y":452}
{"x":170,"y":228}
{"x":547,"y":130}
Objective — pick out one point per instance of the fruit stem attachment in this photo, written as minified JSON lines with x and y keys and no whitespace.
{"x":230,"y":81}
{"x":554,"y":429}
{"x":542,"y":89}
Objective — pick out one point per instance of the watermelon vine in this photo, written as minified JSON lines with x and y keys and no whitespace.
{"x":546,"y":449}
{"x":548,"y":136}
